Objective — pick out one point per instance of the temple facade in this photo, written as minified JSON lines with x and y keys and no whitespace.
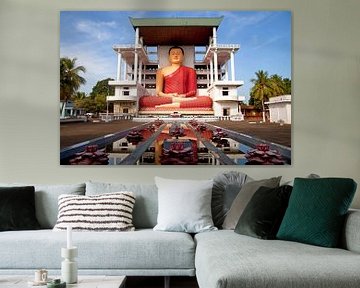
{"x":138,"y":62}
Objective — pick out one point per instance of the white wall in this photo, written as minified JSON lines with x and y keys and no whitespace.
{"x":326,"y":101}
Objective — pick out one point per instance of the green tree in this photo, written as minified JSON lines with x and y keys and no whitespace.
{"x":102,"y":87}
{"x":100,"y":103}
{"x":279,"y":86}
{"x":287,"y":85}
{"x":70,"y":80}
{"x":263,"y":89}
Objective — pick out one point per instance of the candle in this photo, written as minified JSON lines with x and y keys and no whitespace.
{"x":69,"y":240}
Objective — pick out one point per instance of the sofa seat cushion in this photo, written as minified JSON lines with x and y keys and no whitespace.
{"x":136,"y":250}
{"x":226,"y":259}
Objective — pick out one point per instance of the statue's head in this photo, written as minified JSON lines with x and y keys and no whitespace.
{"x":176,"y":55}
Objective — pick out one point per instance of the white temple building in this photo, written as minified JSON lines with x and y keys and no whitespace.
{"x":280,"y":109}
{"x":214,"y":63}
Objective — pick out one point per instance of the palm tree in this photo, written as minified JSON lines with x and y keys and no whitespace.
{"x":263,"y":88}
{"x":280,"y":85}
{"x":70,"y":80}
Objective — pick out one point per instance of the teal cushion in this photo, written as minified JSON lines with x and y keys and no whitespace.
{"x":316,"y":211}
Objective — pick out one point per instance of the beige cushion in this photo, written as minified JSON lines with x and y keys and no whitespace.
{"x":243,"y":198}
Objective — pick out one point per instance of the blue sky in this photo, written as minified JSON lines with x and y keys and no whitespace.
{"x":264,"y":38}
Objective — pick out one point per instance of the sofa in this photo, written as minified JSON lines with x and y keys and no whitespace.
{"x":219,"y":258}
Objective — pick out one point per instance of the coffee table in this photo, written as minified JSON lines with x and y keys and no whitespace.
{"x":84,"y":281}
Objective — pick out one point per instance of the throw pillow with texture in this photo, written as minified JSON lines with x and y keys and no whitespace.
{"x":226,"y":187}
{"x":316,"y":211}
{"x":17,"y":209}
{"x":263,"y":215}
{"x":243,"y":198}
{"x":184,"y":205}
{"x":146,"y":205}
{"x":105,"y":212}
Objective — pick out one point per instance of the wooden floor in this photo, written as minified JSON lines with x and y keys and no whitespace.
{"x":158,"y":282}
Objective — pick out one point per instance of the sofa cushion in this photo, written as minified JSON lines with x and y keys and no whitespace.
{"x":226,"y":187}
{"x":17,"y":208}
{"x":225,"y":259}
{"x":106,"y":212}
{"x":146,"y":205}
{"x":350,"y":239}
{"x":317,"y":209}
{"x":184,"y":205}
{"x":46,"y":200}
{"x":263,"y":215}
{"x":133,"y":252}
{"x":243,"y":198}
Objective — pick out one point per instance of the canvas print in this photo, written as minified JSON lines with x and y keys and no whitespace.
{"x":175,"y":88}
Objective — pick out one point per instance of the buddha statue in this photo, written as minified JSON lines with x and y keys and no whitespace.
{"x":176,"y":86}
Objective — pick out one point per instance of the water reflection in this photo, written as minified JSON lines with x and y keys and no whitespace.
{"x":177,"y":144}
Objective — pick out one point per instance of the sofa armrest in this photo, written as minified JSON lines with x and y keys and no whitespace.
{"x":351,"y":234}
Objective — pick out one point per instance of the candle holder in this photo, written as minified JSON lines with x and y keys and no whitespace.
{"x":69,"y":271}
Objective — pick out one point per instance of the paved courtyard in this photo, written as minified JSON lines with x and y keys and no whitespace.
{"x":73,"y":133}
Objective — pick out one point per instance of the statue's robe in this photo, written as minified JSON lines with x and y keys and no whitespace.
{"x":181,"y":81}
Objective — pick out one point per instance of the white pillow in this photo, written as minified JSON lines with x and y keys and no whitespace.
{"x":105,"y":212}
{"x":184,"y":205}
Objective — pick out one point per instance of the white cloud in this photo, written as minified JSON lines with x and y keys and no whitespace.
{"x":96,"y":30}
{"x":237,"y":22}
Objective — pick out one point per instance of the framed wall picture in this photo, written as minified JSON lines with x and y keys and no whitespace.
{"x":175,"y":88}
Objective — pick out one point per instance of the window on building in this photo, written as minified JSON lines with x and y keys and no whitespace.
{"x":225,"y":91}
{"x":126,"y":93}
{"x":125,"y":110}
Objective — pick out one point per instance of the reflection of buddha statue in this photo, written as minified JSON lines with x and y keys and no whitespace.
{"x":176,"y":86}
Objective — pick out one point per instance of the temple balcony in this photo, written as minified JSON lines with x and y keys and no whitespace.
{"x":122,"y":83}
{"x":127,"y":52}
{"x":229,"y":83}
{"x":220,"y":98}
{"x":131,"y":98}
{"x":223,"y":52}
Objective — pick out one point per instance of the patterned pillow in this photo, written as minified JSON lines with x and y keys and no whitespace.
{"x":105,"y":212}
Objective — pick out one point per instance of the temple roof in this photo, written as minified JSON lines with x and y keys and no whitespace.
{"x":176,"y":31}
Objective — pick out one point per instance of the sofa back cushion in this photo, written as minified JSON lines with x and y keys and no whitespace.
{"x":46,"y":200}
{"x":146,"y":204}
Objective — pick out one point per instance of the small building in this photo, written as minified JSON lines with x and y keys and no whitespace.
{"x":138,"y":62}
{"x":70,"y":110}
{"x":280,"y":109}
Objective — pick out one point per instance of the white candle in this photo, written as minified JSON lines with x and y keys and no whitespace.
{"x":69,"y":239}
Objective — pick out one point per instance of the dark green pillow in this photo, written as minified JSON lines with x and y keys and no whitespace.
{"x":17,"y":208}
{"x":316,"y":211}
{"x":264,"y":212}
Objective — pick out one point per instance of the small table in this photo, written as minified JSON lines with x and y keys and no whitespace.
{"x":84,"y":281}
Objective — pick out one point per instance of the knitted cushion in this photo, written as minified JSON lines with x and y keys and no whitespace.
{"x":105,"y":212}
